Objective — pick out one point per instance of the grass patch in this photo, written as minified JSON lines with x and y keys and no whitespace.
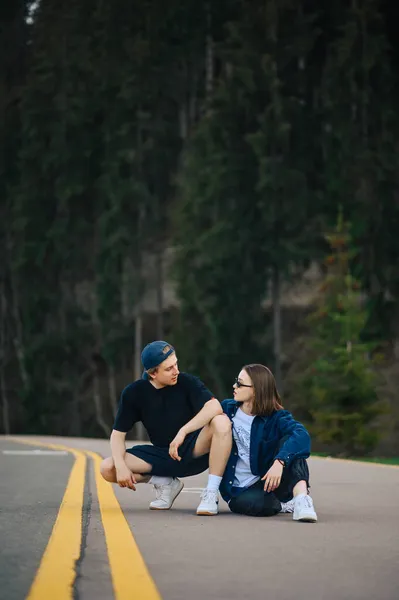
{"x":373,"y":459}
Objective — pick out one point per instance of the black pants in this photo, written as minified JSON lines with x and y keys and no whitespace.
{"x":255,"y":502}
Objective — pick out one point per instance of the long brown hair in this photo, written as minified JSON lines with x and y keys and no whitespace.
{"x":267,"y":399}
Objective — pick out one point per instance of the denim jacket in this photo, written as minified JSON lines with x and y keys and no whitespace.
{"x":266,"y":433}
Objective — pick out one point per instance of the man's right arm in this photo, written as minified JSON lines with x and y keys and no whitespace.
{"x":118,"y":448}
{"x":126,"y":416}
{"x":124,"y":476}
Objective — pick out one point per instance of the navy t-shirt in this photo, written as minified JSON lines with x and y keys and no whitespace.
{"x":163,"y":412}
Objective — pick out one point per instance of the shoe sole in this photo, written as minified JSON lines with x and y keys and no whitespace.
{"x":156,"y":508}
{"x":207,"y":514}
{"x":305,"y":519}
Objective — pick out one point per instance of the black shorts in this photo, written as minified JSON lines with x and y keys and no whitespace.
{"x":164,"y":466}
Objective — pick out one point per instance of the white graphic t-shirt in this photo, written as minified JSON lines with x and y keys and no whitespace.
{"x":242,"y":424}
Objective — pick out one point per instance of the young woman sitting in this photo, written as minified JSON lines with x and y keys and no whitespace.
{"x":267,"y":472}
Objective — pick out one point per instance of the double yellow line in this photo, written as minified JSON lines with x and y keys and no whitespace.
{"x":56,"y":575}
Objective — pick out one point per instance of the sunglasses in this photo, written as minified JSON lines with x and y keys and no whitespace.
{"x":239,"y":384}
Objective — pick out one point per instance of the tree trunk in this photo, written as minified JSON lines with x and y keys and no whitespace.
{"x":211,"y":364}
{"x":138,"y":343}
{"x":18,"y":337}
{"x":138,"y":323}
{"x":3,"y":351}
{"x":113,"y":400}
{"x":183,"y":120}
{"x":209,"y":65}
{"x":96,"y":361}
{"x":276,"y":300}
{"x":97,"y":403}
{"x":138,"y":337}
{"x":4,"y":402}
{"x":76,"y":426}
{"x":192,"y":110}
{"x":159,"y":289}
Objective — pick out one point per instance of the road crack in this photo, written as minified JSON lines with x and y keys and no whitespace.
{"x":86,"y":515}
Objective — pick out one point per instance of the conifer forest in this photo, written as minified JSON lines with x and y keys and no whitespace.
{"x":223,"y":175}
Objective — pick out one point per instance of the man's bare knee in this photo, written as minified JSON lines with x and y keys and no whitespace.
{"x":221,"y":425}
{"x":107,"y":469}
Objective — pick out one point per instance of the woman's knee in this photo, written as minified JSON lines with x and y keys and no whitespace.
{"x":107,"y":469}
{"x":256,"y":506}
{"x":251,"y":510}
{"x":221,"y":424}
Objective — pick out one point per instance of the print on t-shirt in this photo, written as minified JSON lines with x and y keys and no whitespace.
{"x":242,"y":438}
{"x":242,"y":424}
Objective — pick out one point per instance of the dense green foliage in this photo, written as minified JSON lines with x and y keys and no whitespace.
{"x":229,"y":132}
{"x":340,"y":377}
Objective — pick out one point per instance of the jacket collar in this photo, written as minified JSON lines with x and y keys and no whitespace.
{"x":232,"y":407}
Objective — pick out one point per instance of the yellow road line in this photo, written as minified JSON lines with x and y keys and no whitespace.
{"x":130,"y":576}
{"x":56,"y":574}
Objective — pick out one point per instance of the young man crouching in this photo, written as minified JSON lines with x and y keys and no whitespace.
{"x":185,"y":424}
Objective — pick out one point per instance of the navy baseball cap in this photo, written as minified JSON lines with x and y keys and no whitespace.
{"x":155,"y":353}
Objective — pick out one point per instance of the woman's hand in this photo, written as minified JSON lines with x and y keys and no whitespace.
{"x":175,"y":444}
{"x":273,"y":477}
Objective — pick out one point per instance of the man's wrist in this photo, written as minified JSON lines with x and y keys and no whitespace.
{"x":281,"y":461}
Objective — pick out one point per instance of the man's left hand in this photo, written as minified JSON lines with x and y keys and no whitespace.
{"x":175,"y":444}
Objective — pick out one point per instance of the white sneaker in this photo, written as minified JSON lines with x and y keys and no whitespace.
{"x":288,"y":507}
{"x":209,"y":503}
{"x":166,"y":495}
{"x":304,"y":509}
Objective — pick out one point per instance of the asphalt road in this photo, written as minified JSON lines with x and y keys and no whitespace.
{"x":32,"y":487}
{"x":351,"y":553}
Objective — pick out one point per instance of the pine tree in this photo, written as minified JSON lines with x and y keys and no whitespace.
{"x":14,"y":36}
{"x":284,"y":149}
{"x":219,"y":265}
{"x":341,"y":382}
{"x":51,"y":213}
{"x":244,"y":213}
{"x":358,"y":143}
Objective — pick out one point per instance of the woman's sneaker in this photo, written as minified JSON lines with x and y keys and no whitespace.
{"x":166,"y":495}
{"x":304,"y":509}
{"x":209,"y":503}
{"x":288,"y":507}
